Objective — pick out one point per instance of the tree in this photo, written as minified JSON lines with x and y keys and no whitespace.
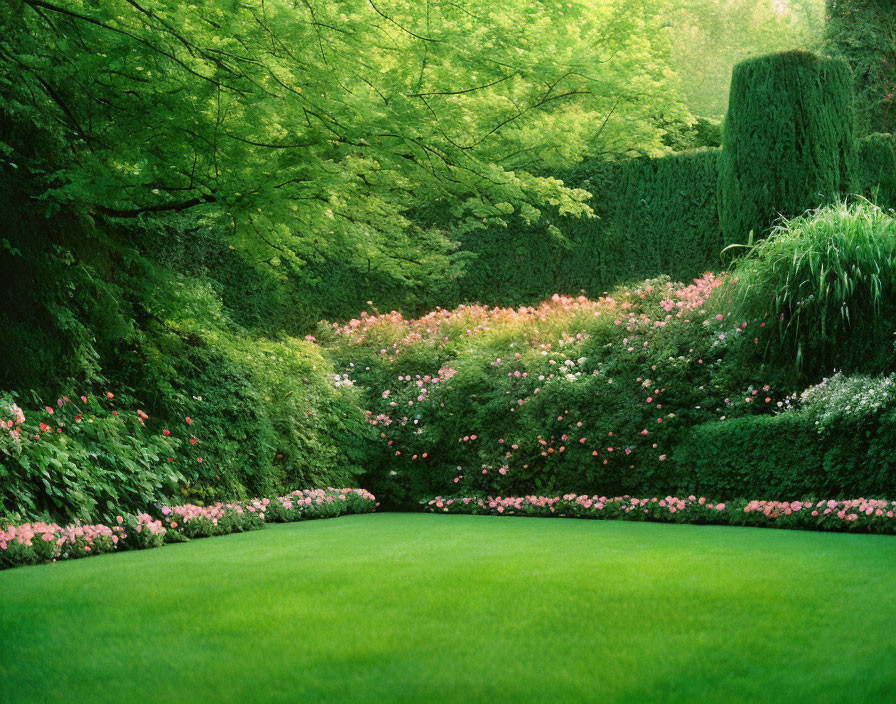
{"x":306,"y":126}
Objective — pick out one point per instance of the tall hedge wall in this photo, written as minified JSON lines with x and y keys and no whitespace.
{"x":788,"y":143}
{"x":662,"y":219}
{"x":653,"y":216}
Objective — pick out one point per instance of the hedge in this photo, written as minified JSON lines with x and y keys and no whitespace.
{"x":784,"y":457}
{"x":876,"y":172}
{"x":788,"y":143}
{"x":653,"y":216}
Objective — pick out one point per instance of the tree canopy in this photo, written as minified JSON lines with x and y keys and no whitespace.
{"x":306,"y":125}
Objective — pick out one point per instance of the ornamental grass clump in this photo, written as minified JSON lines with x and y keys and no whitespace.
{"x":824,"y":287}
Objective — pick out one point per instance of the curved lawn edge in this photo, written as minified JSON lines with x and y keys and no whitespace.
{"x":33,"y":543}
{"x":854,"y":515}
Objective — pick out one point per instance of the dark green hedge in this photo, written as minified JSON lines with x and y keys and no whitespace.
{"x":653,"y":216}
{"x":877,"y":169}
{"x":788,"y":142}
{"x":661,"y":219}
{"x":785,"y":458}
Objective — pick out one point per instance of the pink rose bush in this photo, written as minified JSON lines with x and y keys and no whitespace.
{"x":32,"y":543}
{"x":862,"y":515}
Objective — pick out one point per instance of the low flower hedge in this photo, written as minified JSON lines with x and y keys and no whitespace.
{"x":862,"y":515}
{"x":33,"y":543}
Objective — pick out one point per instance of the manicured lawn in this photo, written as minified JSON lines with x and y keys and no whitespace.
{"x":394,"y":607}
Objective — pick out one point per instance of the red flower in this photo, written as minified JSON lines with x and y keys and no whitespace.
{"x":44,"y":427}
{"x":199,"y":459}
{"x":189,"y":420}
{"x":166,"y":433}
{"x":193,"y":441}
{"x":109,"y":395}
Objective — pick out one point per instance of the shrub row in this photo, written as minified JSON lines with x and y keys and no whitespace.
{"x":786,"y":456}
{"x":860,"y":515}
{"x":89,"y":457}
{"x":33,"y":543}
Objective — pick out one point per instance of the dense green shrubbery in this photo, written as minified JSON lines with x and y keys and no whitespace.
{"x":877,"y":169}
{"x":81,"y":458}
{"x":825,"y":287}
{"x":595,"y":395}
{"x":571,"y":395}
{"x":653,"y":217}
{"x":178,"y":324}
{"x":788,"y":142}
{"x":838,"y":441}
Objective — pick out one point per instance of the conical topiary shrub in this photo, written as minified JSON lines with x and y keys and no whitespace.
{"x":788,"y":142}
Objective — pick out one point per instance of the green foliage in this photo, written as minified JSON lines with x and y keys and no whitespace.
{"x":788,"y":142}
{"x":877,"y":168}
{"x":168,"y":314}
{"x":572,"y":395}
{"x":837,"y":443}
{"x":312,"y":131}
{"x":864,"y":33}
{"x":653,"y":217}
{"x":825,"y":286}
{"x":79,"y":459}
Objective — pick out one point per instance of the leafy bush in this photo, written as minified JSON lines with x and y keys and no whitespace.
{"x":81,"y":458}
{"x":824,"y":286}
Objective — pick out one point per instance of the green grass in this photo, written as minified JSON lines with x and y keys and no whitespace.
{"x":406,"y":607}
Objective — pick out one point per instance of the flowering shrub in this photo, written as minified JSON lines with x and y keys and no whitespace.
{"x":31,"y":543}
{"x":191,"y":521}
{"x":319,"y":503}
{"x":81,"y":457}
{"x":573,"y":393}
{"x":867,"y":515}
{"x":842,"y":397}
